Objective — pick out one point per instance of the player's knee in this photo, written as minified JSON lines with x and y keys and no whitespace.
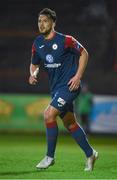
{"x":69,"y":122}
{"x":48,"y":116}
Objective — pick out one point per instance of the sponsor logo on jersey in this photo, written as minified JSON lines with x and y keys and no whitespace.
{"x":54,"y":46}
{"x":49,"y":58}
{"x":61,"y":102}
{"x":54,"y":65}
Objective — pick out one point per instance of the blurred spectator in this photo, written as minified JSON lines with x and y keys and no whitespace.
{"x":83,"y":106}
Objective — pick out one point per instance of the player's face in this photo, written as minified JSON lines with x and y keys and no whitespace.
{"x":45,"y":24}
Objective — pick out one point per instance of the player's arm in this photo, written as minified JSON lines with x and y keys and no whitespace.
{"x":75,"y":80}
{"x":34,"y":70}
{"x":82,"y":63}
{"x":77,"y":48}
{"x":34,"y":66}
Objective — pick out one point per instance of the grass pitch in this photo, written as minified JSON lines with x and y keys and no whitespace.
{"x":19,"y":155}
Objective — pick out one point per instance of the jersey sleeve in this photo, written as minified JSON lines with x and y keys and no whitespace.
{"x":73,"y":45}
{"x":35,"y":57}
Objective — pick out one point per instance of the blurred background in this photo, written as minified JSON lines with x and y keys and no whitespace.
{"x":94,"y":24}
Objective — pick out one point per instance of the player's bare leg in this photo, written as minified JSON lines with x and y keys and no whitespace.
{"x":78,"y":134}
{"x":50,"y":115}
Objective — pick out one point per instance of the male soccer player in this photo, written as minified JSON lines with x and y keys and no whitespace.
{"x":65,"y":60}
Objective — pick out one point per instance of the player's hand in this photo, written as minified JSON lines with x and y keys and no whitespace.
{"x":74,"y":83}
{"x":33,"y":80}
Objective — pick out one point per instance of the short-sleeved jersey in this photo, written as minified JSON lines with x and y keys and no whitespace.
{"x":60,"y":58}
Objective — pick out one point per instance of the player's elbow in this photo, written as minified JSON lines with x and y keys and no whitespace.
{"x":85,"y":54}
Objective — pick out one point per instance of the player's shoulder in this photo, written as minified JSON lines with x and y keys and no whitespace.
{"x":60,"y":35}
{"x":65,"y":36}
{"x":70,"y":38}
{"x":70,"y":41}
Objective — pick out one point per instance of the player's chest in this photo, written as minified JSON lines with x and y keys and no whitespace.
{"x":51,"y":52}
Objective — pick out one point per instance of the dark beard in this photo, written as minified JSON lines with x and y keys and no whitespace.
{"x":46,"y":33}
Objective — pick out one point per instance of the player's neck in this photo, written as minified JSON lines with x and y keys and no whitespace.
{"x":50,"y":35}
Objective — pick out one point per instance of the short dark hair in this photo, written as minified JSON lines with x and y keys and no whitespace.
{"x":50,"y":13}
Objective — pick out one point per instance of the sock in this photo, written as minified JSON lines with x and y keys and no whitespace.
{"x":51,"y":135}
{"x":80,"y":137}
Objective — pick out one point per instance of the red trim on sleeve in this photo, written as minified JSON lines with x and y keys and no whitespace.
{"x":81,"y":49}
{"x":70,"y":42}
{"x":33,"y":49}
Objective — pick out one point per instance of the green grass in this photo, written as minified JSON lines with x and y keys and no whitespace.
{"x":20,"y":153}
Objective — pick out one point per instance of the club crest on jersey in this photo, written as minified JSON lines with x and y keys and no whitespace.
{"x":54,"y":46}
{"x":49,"y":58}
